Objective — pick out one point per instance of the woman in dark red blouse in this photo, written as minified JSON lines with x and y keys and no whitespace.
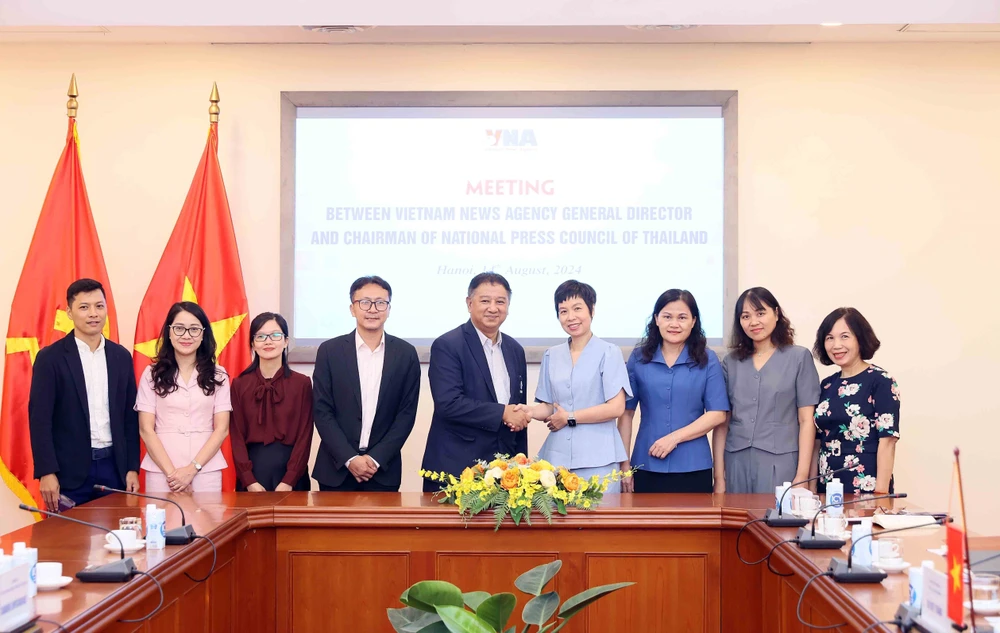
{"x":272,"y":423}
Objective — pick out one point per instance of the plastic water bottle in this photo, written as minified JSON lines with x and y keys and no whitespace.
{"x":835,"y":497}
{"x":779,"y":492}
{"x":917,"y":584}
{"x":24,"y":555}
{"x":155,"y":527}
{"x":862,"y":554}
{"x":6,"y":563}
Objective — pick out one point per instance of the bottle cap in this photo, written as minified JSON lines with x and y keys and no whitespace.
{"x":19,"y":547}
{"x":927,"y":563}
{"x":149,"y":508}
{"x":786,"y":484}
{"x":835,"y":480}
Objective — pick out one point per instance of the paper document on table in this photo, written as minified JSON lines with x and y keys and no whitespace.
{"x":902,"y":521}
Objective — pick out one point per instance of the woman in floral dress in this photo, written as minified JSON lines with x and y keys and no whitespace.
{"x":857,"y":419}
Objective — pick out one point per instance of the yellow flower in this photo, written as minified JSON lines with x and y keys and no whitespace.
{"x":511,"y":478}
{"x":452,"y":480}
{"x":530,"y":475}
{"x":520,"y":459}
{"x":586,"y":504}
{"x":468,"y":475}
{"x":570,"y":481}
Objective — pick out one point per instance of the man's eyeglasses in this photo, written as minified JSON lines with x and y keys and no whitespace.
{"x":179,"y":330}
{"x":274,"y":336}
{"x":381,"y":305}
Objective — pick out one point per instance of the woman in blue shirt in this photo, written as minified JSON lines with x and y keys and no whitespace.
{"x":582,"y":388}
{"x":680,"y":387}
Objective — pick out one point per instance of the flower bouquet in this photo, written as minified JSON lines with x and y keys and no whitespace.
{"x":517,"y":485}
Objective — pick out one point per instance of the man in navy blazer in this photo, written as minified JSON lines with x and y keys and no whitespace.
{"x":478,"y":378}
{"x":84,"y":429}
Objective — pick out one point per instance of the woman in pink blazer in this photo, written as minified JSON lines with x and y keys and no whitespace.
{"x":183,"y":404}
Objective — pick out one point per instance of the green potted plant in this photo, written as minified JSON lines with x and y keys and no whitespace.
{"x":435,"y":606}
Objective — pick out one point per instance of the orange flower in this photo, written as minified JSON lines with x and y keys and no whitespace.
{"x":520,"y":459}
{"x":570,"y":481}
{"x":468,"y":475}
{"x":510,"y":479}
{"x":479,"y":469}
{"x":502,"y":465}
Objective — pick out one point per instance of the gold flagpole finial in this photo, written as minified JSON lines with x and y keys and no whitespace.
{"x":213,"y":110}
{"x":72,"y":93}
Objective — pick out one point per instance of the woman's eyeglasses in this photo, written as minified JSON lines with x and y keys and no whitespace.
{"x":274,"y":336}
{"x":180,"y":330}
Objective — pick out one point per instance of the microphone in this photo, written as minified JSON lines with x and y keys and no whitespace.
{"x":118,"y":571}
{"x":845,"y":572}
{"x":177,"y":536}
{"x":773,"y":517}
{"x":808,"y":538}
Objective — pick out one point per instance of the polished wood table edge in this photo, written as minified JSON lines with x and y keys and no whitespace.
{"x":116,"y":604}
{"x":448,"y":517}
{"x":790,"y":558}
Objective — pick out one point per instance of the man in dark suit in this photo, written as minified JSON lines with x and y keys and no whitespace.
{"x":365,"y":390}
{"x":84,"y":430}
{"x":478,"y":380}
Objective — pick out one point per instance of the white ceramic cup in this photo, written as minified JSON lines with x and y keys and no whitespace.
{"x":890,"y":549}
{"x":127,"y":537}
{"x":48,"y":573}
{"x":809,"y":505}
{"x":831,"y":526}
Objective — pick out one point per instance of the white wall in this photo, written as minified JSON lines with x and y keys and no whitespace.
{"x":867,"y":177}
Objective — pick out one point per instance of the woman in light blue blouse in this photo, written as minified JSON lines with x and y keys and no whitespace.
{"x":679,"y":385}
{"x":582,"y":389}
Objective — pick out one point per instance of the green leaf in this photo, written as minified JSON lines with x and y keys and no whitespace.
{"x":437,"y":627}
{"x":410,"y":620}
{"x":560,"y":506}
{"x":427,"y":594}
{"x":516,"y":514}
{"x":581,"y":600}
{"x":497,"y":609}
{"x":458,"y":620}
{"x":475,"y":598}
{"x":512,"y":629}
{"x":534,"y":580}
{"x":540,"y":608}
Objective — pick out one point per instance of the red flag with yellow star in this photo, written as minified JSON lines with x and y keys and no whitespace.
{"x":956,"y":560}
{"x":201,"y":264}
{"x":63,"y":249}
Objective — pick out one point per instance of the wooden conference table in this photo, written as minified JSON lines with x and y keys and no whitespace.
{"x":303,"y":562}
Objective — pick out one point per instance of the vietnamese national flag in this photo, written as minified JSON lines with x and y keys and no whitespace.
{"x":63,"y":249}
{"x":201,"y":264}
{"x":956,"y":565}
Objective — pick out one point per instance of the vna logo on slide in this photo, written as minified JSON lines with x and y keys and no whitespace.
{"x":511,"y":139}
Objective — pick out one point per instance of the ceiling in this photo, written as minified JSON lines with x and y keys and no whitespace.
{"x":234,"y":35}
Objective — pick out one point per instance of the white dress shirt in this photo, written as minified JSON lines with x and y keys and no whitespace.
{"x":95,"y":375}
{"x":370,"y":363}
{"x":498,"y":368}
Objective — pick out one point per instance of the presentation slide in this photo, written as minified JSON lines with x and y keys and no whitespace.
{"x":626,"y":199}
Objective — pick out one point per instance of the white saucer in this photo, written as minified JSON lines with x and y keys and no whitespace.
{"x":58,"y":584}
{"x":893,"y":568}
{"x":114,"y":548}
{"x":985,"y":607}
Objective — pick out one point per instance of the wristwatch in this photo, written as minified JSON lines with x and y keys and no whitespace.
{"x":572,"y":420}
{"x":196,"y":465}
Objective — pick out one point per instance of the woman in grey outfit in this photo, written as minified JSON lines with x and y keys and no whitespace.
{"x":773,"y":388}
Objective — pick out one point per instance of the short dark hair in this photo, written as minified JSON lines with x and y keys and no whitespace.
{"x":696,"y":342}
{"x":489,"y":277}
{"x":574,"y":289}
{"x":80,"y":286}
{"x":361,"y":282}
{"x":782,"y":336}
{"x":868,"y":343}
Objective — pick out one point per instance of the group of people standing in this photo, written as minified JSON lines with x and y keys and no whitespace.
{"x":771,"y":418}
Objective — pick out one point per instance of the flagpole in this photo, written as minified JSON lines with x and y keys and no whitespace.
{"x":965,"y":536}
{"x":72,"y":93}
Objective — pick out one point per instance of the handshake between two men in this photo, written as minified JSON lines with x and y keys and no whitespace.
{"x":517,"y":416}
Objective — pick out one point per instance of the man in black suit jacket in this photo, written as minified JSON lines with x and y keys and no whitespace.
{"x":478,"y":380}
{"x":84,"y":429}
{"x":365,"y":390}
